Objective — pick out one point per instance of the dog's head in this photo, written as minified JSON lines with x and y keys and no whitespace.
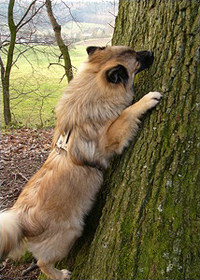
{"x":102,"y":88}
{"x":118,"y":64}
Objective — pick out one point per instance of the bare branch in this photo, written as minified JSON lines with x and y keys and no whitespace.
{"x":40,"y":112}
{"x":5,"y":42}
{"x":112,"y":14}
{"x":31,"y":17}
{"x":50,"y":64}
{"x":20,"y":92}
{"x":111,"y":25}
{"x":24,"y":177}
{"x":75,"y":20}
{"x":62,"y":46}
{"x":26,"y":13}
{"x":62,"y":78}
{"x":18,"y":56}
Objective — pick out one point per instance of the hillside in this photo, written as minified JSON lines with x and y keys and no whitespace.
{"x":79,"y":19}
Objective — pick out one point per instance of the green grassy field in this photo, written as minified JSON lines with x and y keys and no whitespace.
{"x":72,"y":27}
{"x":35,"y":88}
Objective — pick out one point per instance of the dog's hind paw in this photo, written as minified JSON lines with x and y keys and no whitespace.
{"x":66,"y":274}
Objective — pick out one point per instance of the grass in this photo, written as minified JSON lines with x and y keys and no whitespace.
{"x":35,"y":87}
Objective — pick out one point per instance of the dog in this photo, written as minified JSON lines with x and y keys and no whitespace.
{"x":95,"y":120}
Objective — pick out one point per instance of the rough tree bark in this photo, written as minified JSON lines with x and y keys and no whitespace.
{"x":145,"y":224}
{"x":62,"y":46}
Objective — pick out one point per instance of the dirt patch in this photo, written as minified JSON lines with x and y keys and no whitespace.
{"x":22,"y":153}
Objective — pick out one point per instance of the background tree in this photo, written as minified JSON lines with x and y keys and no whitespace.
{"x":62,"y":46}
{"x":145,"y":224}
{"x":14,"y":28}
{"x":22,"y":38}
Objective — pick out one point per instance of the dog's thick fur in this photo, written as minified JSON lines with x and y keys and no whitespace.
{"x":95,"y":112}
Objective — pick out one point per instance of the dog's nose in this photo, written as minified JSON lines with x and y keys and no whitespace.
{"x":151,"y":58}
{"x":145,"y":58}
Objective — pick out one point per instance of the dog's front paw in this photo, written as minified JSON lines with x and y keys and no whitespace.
{"x":66,"y":274}
{"x":151,"y":99}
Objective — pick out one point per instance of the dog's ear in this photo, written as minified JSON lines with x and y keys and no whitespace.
{"x":92,"y":49}
{"x":117,"y":74}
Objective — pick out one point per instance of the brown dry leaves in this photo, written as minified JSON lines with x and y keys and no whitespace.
{"x":23,"y":152}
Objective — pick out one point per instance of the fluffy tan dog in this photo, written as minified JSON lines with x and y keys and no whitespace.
{"x":94,"y":121}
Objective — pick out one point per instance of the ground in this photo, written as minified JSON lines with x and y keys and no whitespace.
{"x":23,"y":152}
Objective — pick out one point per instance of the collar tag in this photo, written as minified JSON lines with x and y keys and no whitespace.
{"x":61,"y":144}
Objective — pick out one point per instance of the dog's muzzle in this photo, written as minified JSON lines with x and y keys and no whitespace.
{"x":146,"y":59}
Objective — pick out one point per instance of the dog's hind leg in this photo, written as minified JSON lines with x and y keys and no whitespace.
{"x":52,"y":272}
{"x":53,"y":249}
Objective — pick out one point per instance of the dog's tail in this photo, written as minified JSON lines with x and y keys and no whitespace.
{"x":12,"y":238}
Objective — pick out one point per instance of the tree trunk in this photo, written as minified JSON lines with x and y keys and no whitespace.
{"x":63,"y":48}
{"x":145,"y":224}
{"x":6,"y":103}
{"x":5,"y":72}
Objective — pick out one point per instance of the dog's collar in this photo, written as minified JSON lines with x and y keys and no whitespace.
{"x":95,"y":165}
{"x":61,"y":144}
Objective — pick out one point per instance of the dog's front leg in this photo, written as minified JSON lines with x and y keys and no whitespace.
{"x":122,"y":130}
